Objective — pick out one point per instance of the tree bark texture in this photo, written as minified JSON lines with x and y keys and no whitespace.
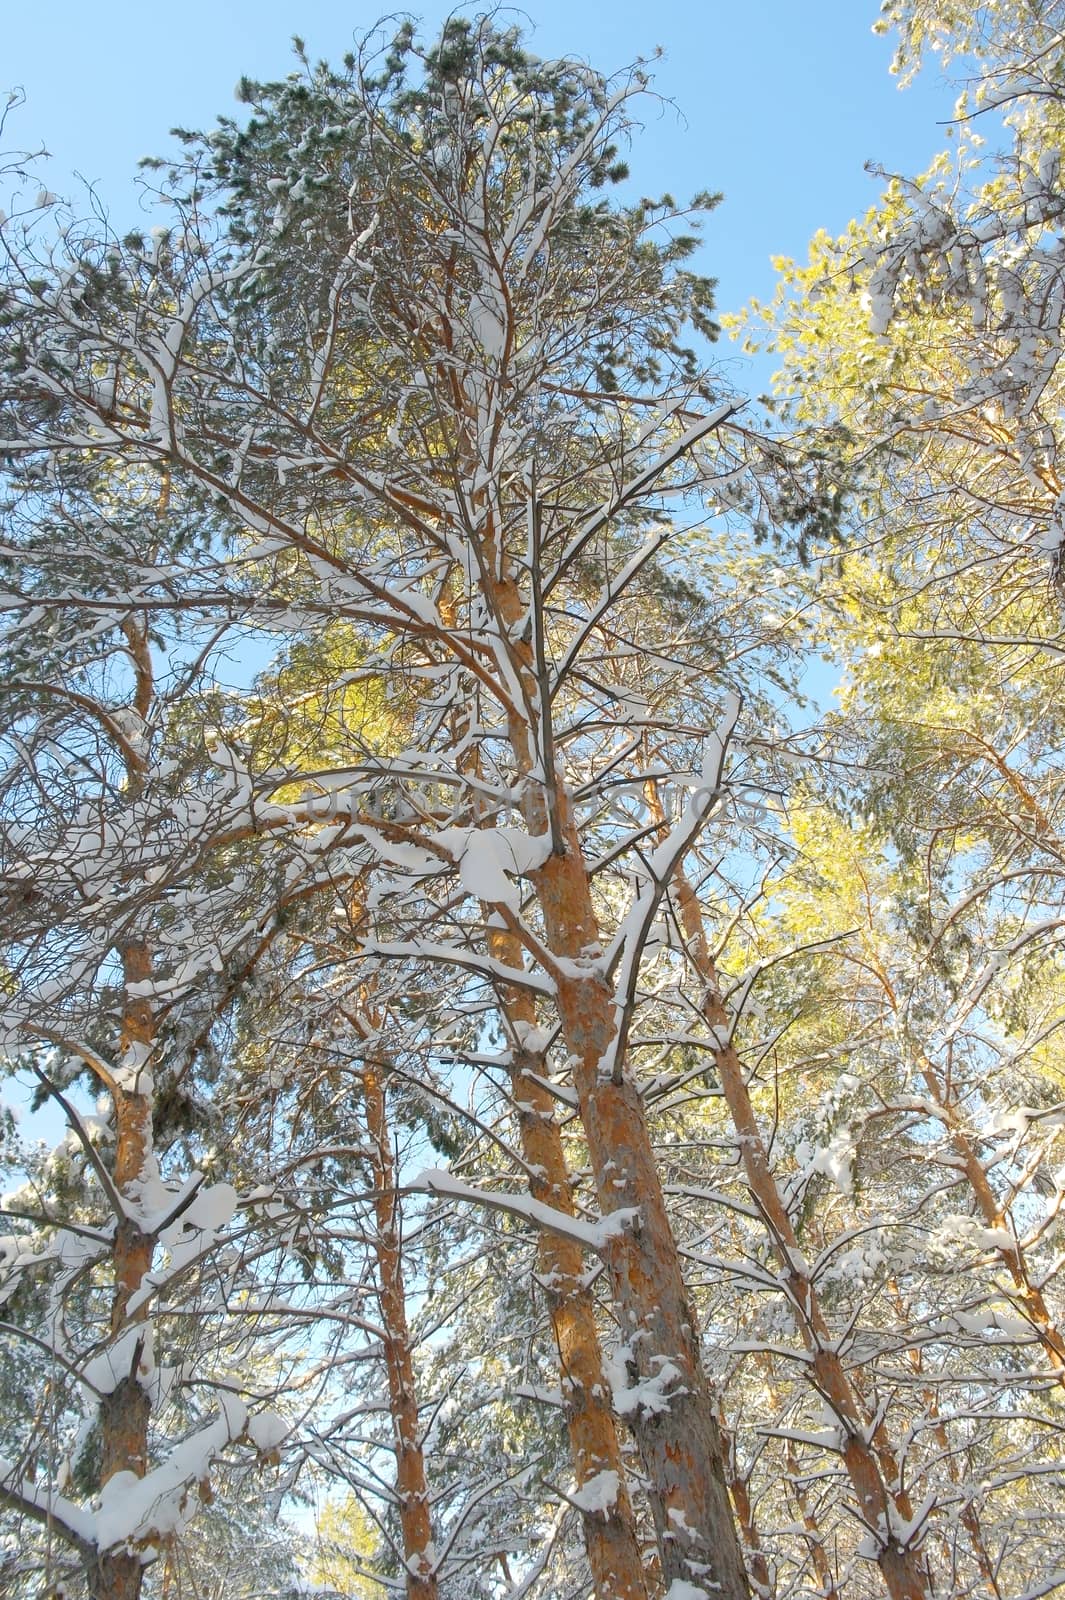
{"x":125,"y":1412}
{"x":610,"y":1539}
{"x":669,"y":1404}
{"x":412,"y":1489}
{"x":610,"y":1534}
{"x":671,"y":1411}
{"x":868,"y":1453}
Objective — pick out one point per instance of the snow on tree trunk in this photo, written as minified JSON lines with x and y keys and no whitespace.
{"x":668,"y":1403}
{"x":968,"y":1515}
{"x":125,"y":1412}
{"x":1009,"y":1250}
{"x":412,"y":1489}
{"x":609,"y":1527}
{"x":739,"y":1493}
{"x":870,"y":1457}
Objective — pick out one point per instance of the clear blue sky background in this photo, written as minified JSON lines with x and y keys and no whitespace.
{"x":777,"y":102}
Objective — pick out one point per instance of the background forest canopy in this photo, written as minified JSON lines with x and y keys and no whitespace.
{"x":549,"y":1110}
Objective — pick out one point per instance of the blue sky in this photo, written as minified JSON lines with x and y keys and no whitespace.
{"x":776,"y":102}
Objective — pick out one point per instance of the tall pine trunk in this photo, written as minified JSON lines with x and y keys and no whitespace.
{"x":609,"y":1530}
{"x":869,"y":1455}
{"x":412,"y":1489}
{"x":669,"y":1404}
{"x":125,"y":1412}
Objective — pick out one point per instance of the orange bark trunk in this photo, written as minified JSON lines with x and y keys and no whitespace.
{"x":825,"y":1576}
{"x":609,"y":1535}
{"x":740,"y":1491}
{"x":672,"y":1417}
{"x":668,"y":1405}
{"x":866,"y":1449}
{"x":814,"y":1539}
{"x":1028,"y":1294}
{"x":412,"y":1490}
{"x":968,"y":1516}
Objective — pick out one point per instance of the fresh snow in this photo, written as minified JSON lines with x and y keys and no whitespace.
{"x":161,"y":1503}
{"x":593,"y":1235}
{"x":597,"y":1494}
{"x":267,"y":1430}
{"x":130,"y":1354}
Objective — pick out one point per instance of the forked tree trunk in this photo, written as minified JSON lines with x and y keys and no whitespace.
{"x":669,"y":1404}
{"x":609,"y":1533}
